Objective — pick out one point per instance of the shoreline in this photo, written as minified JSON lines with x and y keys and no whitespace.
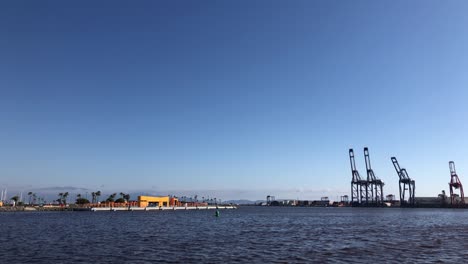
{"x":110,"y":209}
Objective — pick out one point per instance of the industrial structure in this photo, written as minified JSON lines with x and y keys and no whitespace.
{"x":375,"y":186}
{"x":358,"y":186}
{"x":157,"y":201}
{"x":407,"y":185}
{"x":368,"y":192}
{"x":270,"y":199}
{"x":455,"y":184}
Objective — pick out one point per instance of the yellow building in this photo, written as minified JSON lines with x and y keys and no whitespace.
{"x":156,"y":201}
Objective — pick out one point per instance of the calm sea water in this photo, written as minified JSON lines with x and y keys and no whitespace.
{"x":246,"y":235}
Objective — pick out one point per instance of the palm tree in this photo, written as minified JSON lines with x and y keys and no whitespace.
{"x":29,"y":194}
{"x":98,"y":194}
{"x":34,"y":198}
{"x":65,"y":195}
{"x":126,"y":197}
{"x":15,"y":199}
{"x":111,"y":197}
{"x":60,"y":199}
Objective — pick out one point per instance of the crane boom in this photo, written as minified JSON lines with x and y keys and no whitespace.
{"x":406,"y":184}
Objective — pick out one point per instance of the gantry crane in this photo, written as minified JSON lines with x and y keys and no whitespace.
{"x":374,"y":190}
{"x":358,"y":185}
{"x":405,"y":183}
{"x":455,"y":183}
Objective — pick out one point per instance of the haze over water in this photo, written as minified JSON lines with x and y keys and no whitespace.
{"x":246,"y":235}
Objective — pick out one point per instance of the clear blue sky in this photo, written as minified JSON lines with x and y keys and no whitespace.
{"x":246,"y":98}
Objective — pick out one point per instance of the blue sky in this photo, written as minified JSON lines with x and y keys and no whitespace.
{"x":238,"y":98}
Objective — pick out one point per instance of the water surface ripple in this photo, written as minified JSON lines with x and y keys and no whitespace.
{"x":246,"y":235}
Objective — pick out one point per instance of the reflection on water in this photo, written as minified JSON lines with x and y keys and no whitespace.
{"x":247,"y":235}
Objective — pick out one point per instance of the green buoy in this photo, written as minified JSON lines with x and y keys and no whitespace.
{"x":217,"y":213}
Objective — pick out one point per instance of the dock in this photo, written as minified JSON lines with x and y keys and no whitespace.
{"x":160,"y":208}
